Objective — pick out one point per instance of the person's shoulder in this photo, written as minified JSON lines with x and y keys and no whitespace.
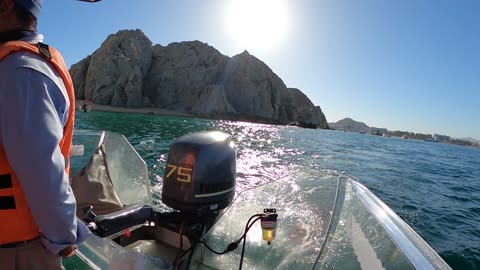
{"x":21,"y":59}
{"x":29,"y":60}
{"x":25,"y":59}
{"x":10,"y":63}
{"x":29,"y":65}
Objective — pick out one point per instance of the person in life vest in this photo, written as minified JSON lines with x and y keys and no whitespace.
{"x":38,"y":225}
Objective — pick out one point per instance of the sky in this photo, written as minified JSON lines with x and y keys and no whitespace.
{"x":410,"y":65}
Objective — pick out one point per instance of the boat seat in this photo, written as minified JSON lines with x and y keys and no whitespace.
{"x":120,"y":220}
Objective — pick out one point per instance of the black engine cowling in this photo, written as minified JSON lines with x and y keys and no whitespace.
{"x":200,"y":173}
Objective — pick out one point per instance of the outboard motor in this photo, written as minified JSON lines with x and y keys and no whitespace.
{"x":200,"y":173}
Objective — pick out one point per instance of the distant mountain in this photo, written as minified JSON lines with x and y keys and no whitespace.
{"x":348,"y":124}
{"x":469,"y":139}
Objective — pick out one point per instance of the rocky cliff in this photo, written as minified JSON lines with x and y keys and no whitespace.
{"x":189,"y":77}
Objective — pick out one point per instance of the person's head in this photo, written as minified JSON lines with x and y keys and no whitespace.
{"x":19,"y":14}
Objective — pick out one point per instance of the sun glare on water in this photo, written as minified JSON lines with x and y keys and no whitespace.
{"x":256,"y":24}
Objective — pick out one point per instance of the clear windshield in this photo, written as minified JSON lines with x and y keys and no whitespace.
{"x":127,"y":170}
{"x":129,"y":174}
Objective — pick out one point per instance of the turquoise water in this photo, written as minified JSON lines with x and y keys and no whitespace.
{"x":434,"y":187}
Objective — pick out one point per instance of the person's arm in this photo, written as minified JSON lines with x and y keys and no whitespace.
{"x":31,"y":111}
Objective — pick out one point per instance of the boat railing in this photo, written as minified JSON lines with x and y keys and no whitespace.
{"x":413,"y":247}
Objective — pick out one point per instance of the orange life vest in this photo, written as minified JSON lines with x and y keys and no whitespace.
{"x":16,"y":221}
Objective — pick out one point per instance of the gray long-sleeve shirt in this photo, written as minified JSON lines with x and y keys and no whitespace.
{"x":33,"y":111}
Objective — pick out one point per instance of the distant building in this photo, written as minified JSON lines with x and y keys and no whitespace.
{"x":441,"y":138}
{"x":421,"y":136}
{"x":378,"y":131}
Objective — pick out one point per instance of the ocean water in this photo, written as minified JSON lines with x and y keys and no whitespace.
{"x":434,"y":187}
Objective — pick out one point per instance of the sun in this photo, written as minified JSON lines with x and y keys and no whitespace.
{"x":256,"y":24}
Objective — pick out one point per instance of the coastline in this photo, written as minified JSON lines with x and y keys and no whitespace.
{"x":107,"y":108}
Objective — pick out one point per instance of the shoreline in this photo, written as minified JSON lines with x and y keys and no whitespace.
{"x":107,"y":108}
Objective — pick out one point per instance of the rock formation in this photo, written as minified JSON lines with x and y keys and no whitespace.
{"x":78,"y":72}
{"x":115,"y":71}
{"x":252,"y":88}
{"x":189,"y":77}
{"x":182,"y":75}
